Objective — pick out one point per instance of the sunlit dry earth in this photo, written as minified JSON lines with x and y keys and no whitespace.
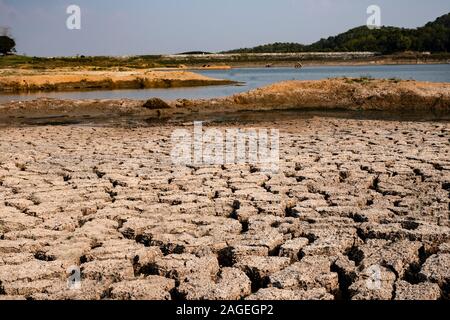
{"x":350,"y":195}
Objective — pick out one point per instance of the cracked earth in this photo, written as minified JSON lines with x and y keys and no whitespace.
{"x":350,"y":195}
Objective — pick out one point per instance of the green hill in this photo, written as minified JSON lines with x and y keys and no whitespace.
{"x":434,"y":37}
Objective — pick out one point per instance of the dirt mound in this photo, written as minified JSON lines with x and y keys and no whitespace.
{"x":156,"y":103}
{"x":351,"y":94}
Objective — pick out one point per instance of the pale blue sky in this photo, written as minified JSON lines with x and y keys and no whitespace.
{"x":126,"y":27}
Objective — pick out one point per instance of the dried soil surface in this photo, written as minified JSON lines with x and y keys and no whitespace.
{"x":350,"y":195}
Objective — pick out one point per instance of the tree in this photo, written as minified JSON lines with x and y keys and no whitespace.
{"x":7,"y":45}
{"x":403,"y":43}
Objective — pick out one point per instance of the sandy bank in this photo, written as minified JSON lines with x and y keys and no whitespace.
{"x":86,"y":80}
{"x":348,"y":94}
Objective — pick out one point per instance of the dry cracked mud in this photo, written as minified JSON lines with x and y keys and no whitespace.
{"x":350,"y":195}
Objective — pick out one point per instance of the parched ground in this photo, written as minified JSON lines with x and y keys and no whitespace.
{"x":351,"y":195}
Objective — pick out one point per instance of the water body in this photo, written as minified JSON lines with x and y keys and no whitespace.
{"x":253,"y":78}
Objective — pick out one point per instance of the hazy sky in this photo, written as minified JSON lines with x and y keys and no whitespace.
{"x":125,"y":27}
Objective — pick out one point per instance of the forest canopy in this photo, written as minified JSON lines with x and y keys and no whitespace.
{"x":433,"y":37}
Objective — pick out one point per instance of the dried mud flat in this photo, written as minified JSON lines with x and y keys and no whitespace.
{"x":350,"y":195}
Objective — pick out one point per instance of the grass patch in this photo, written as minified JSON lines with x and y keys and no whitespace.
{"x":95,"y":63}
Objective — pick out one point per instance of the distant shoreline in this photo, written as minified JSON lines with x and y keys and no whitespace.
{"x":311,"y":59}
{"x":219,"y":61}
{"x":321,"y":63}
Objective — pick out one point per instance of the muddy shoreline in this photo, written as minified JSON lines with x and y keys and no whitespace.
{"x":383,"y":96}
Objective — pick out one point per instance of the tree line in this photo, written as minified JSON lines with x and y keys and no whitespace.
{"x":433,"y":37}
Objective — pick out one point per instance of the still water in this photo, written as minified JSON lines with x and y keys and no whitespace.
{"x":253,"y":78}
